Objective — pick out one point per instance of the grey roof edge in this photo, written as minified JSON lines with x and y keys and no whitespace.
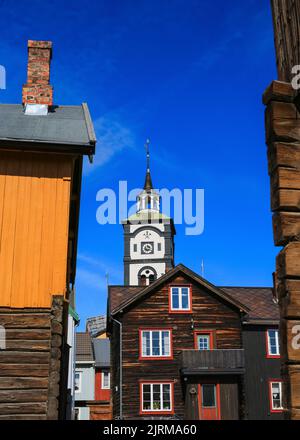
{"x":89,"y":123}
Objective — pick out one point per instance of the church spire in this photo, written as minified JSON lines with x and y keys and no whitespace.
{"x":148,"y":186}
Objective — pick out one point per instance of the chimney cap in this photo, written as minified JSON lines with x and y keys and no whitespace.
{"x":40,"y":44}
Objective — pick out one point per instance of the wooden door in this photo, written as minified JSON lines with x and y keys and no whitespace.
{"x":209,"y":401}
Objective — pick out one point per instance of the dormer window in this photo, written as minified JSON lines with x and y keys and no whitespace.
{"x":180,"y":299}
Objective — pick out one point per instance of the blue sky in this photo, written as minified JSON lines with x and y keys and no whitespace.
{"x":189,"y":74}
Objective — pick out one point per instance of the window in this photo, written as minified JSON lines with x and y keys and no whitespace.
{"x":105,"y":380}
{"x":159,"y":247}
{"x":76,"y":413}
{"x":203,"y":342}
{"x":180,"y":298}
{"x":208,"y":396}
{"x":157,"y":398}
{"x":272,"y":343}
{"x":155,"y":344}
{"x":135,"y":248}
{"x":276,"y":396}
{"x":77,"y":381}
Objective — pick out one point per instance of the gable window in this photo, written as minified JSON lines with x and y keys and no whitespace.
{"x":155,"y":344}
{"x":204,"y":340}
{"x":276,"y":396}
{"x":105,"y":380}
{"x":77,"y":381}
{"x":156,"y":398}
{"x":272,"y":343}
{"x":180,"y":299}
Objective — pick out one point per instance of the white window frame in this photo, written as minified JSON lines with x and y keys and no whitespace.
{"x":180,"y":308}
{"x":102,"y":380}
{"x":79,"y":381}
{"x":207,"y":336}
{"x":161,"y":410}
{"x":271,"y":394}
{"x":277,"y":342}
{"x":151,"y":355}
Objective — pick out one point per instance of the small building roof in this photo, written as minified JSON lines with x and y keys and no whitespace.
{"x":96,"y":325}
{"x":84,"y":348}
{"x":64,"y":127}
{"x":102,"y":352}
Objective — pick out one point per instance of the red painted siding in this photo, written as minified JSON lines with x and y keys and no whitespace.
{"x":100,"y":394}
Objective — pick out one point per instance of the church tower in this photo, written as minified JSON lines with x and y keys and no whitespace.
{"x":148,"y":238}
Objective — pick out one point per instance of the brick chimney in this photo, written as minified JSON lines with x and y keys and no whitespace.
{"x":37,"y":90}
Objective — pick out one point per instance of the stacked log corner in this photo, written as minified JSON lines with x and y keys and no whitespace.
{"x":283,"y":142}
{"x":30,"y":366}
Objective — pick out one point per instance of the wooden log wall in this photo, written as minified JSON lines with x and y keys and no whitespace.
{"x":283,"y":141}
{"x":286,"y":18}
{"x":30,"y":363}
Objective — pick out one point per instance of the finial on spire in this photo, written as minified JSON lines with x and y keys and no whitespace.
{"x":148,"y":154}
{"x":148,"y":182}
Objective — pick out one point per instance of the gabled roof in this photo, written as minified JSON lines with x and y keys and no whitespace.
{"x":121,"y":297}
{"x":259,"y":300}
{"x":84,"y":349}
{"x":96,"y":325}
{"x":64,"y":127}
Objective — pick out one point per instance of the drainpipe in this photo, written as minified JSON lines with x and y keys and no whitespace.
{"x":121,"y":368}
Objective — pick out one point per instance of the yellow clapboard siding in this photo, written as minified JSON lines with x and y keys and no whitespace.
{"x":34,"y":221}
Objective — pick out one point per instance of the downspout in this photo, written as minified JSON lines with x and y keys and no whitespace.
{"x":121,"y":367}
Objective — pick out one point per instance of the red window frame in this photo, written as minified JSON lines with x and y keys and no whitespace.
{"x":211,"y":334}
{"x":153,"y":382}
{"x":155,"y":358}
{"x":270,"y":395}
{"x":181,"y":312}
{"x":268,"y":354}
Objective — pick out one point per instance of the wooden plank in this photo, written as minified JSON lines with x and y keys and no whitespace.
{"x":36,"y":334}
{"x":284,"y":155}
{"x":21,"y":320}
{"x":279,"y":91}
{"x":21,"y":344}
{"x":286,"y":200}
{"x":7,"y":383}
{"x":23,"y":408}
{"x":283,"y":130}
{"x":24,"y":370}
{"x":20,"y":396}
{"x":294,"y":373}
{"x":286,"y":227}
{"x":15,"y":357}
{"x":286,"y":178}
{"x":288,"y":261}
{"x":23,"y":219}
{"x":23,"y":417}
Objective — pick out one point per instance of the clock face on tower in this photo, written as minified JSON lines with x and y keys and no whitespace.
{"x":147,"y":248}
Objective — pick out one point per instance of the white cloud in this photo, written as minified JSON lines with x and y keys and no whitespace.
{"x":113,"y":137}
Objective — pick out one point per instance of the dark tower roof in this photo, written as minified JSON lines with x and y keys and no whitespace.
{"x":148,"y":186}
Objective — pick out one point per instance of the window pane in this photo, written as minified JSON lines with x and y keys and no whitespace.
{"x":77,"y":381}
{"x":146,"y":344}
{"x":185,"y":297}
{"x":156,"y":397}
{"x":273,"y":342}
{"x":146,"y":397}
{"x":166,"y":397}
{"x":276,"y":395}
{"x":203,"y":342}
{"x":175,"y":298}
{"x":165,"y":343}
{"x":208,"y":396}
{"x":155,"y":343}
{"x":106,"y":379}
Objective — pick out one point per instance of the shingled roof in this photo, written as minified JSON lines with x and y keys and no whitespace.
{"x":84,"y":348}
{"x":259,"y":300}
